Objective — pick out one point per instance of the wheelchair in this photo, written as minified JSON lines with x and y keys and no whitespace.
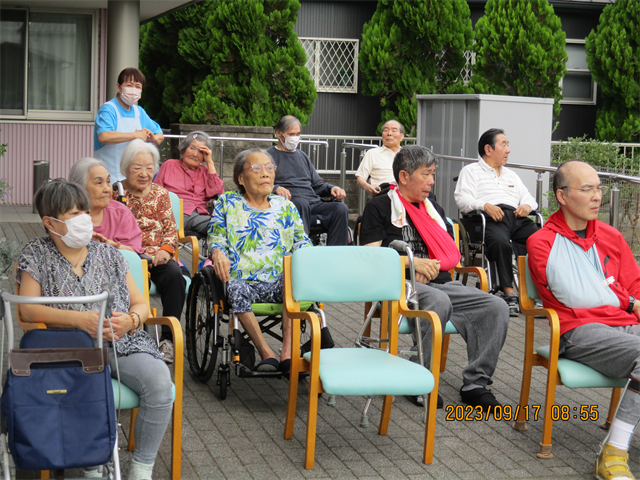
{"x":472,"y":247}
{"x":208,"y":310}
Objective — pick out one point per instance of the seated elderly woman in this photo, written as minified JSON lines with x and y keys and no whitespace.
{"x":251,"y":231}
{"x":113,"y":222}
{"x":67,"y":263}
{"x":151,"y":206}
{"x":193,"y":182}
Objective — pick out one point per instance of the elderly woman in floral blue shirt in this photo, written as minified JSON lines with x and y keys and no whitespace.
{"x":250,"y":232}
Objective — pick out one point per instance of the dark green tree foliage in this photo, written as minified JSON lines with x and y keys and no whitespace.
{"x":174,"y":58}
{"x":520,"y":50}
{"x":228,"y":62}
{"x":411,"y":48}
{"x":612,"y":55}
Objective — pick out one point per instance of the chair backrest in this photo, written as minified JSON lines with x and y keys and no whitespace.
{"x":139,"y":271}
{"x":176,"y":206}
{"x":346,"y":274}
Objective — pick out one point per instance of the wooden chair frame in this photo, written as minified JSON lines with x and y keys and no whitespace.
{"x":195,"y":247}
{"x":533,"y":359}
{"x":390,"y":311}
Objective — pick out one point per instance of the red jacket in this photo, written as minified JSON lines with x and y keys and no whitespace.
{"x":617,"y":265}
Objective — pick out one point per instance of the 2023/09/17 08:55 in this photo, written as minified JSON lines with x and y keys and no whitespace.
{"x":509,"y":413}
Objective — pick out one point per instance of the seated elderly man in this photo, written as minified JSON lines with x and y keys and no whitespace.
{"x":377,"y":164}
{"x":498,"y":191}
{"x":251,"y":230}
{"x":298,"y":180}
{"x":586,"y":272}
{"x":405,"y":213}
{"x":194,"y":179}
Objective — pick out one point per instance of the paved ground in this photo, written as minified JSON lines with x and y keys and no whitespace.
{"x":242,"y":436}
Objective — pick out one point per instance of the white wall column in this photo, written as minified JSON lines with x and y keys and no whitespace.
{"x":123,"y":40}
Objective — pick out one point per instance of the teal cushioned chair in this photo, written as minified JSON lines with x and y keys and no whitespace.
{"x":354,"y":276}
{"x":126,"y":398}
{"x":560,"y":371}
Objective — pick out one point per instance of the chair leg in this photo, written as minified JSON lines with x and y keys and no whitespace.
{"x":44,"y":473}
{"x":292,"y":401}
{"x":132,"y":440}
{"x":521,"y":420}
{"x":445,"y":352}
{"x":615,"y":398}
{"x":385,"y":416}
{"x":430,"y":428}
{"x":176,"y":437}
{"x":547,"y":425}
{"x":312,"y":418}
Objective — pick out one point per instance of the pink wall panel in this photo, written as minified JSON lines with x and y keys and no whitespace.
{"x":60,"y":144}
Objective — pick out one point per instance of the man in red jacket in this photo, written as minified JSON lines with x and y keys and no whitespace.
{"x":584,"y":269}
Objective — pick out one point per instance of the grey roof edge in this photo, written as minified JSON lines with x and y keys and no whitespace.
{"x":481,"y":96}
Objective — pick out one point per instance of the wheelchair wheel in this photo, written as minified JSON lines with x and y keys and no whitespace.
{"x":223,"y":380}
{"x":202,"y":345}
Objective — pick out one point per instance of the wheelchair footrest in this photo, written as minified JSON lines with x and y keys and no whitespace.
{"x":243,"y":372}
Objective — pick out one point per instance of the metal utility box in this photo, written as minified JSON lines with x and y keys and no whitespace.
{"x":452,"y":124}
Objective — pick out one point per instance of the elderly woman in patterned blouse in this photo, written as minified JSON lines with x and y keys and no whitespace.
{"x":67,"y":263}
{"x":151,"y":205}
{"x":251,"y":231}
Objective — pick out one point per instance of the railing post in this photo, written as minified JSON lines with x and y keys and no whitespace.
{"x":221,"y":174}
{"x":314,"y":158}
{"x":614,"y":212}
{"x":343,"y":168}
{"x":361,"y":193}
{"x":539,"y":190}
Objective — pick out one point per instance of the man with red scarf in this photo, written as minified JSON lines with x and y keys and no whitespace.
{"x":406,"y":214}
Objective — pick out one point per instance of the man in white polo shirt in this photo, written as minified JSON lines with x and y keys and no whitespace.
{"x":498,"y":191}
{"x":377,"y":162}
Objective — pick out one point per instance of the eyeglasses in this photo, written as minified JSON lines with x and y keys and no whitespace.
{"x":590,"y":190}
{"x":258,"y":167}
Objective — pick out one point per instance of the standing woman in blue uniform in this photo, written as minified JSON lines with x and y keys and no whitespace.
{"x":121,"y":120}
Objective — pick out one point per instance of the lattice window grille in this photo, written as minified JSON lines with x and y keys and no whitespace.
{"x":467,"y":71}
{"x":333,"y":63}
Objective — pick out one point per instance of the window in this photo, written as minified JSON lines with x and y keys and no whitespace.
{"x":47,"y":61}
{"x":577,"y":85}
{"x":333,"y":64}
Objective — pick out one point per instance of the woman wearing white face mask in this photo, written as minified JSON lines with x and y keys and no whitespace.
{"x":68,"y":263}
{"x":121,"y":120}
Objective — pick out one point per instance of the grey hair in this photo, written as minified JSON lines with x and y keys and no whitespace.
{"x":79,"y":173}
{"x":134,"y":148}
{"x":286,"y":123}
{"x":392,"y":120}
{"x":240,"y":161}
{"x":59,"y":196}
{"x":411,"y":158}
{"x":194,"y":136}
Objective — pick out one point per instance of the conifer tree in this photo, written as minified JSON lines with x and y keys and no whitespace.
{"x":241,"y":64}
{"x":411,"y":48}
{"x":520,"y":50}
{"x":612,"y":56}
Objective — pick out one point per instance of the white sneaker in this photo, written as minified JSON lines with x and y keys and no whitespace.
{"x":166,"y":348}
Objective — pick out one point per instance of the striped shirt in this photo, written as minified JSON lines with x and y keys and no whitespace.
{"x":478,"y":184}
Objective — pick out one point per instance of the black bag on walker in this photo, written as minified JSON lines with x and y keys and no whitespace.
{"x":58,"y":401}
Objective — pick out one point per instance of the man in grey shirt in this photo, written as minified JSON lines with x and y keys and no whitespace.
{"x":298,"y":181}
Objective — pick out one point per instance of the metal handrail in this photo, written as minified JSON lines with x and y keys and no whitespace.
{"x":539,"y":169}
{"x":315,"y":144}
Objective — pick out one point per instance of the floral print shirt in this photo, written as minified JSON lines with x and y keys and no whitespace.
{"x":253,"y":239}
{"x":155,"y":218}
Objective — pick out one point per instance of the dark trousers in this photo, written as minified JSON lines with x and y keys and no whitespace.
{"x":334,"y":216}
{"x":172,"y":288}
{"x":505,"y":238}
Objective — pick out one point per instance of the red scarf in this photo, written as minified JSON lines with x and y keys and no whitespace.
{"x":438,"y":241}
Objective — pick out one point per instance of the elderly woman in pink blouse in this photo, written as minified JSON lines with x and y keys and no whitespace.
{"x":192,"y":181}
{"x":113,"y":222}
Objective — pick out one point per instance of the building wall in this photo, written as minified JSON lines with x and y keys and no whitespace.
{"x":339,"y":113}
{"x":60,"y":144}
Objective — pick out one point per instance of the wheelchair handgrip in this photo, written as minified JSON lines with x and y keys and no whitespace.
{"x":399,"y":246}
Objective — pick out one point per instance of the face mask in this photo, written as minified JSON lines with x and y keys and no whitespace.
{"x":130,"y":95}
{"x":79,"y":231}
{"x":291,"y":143}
